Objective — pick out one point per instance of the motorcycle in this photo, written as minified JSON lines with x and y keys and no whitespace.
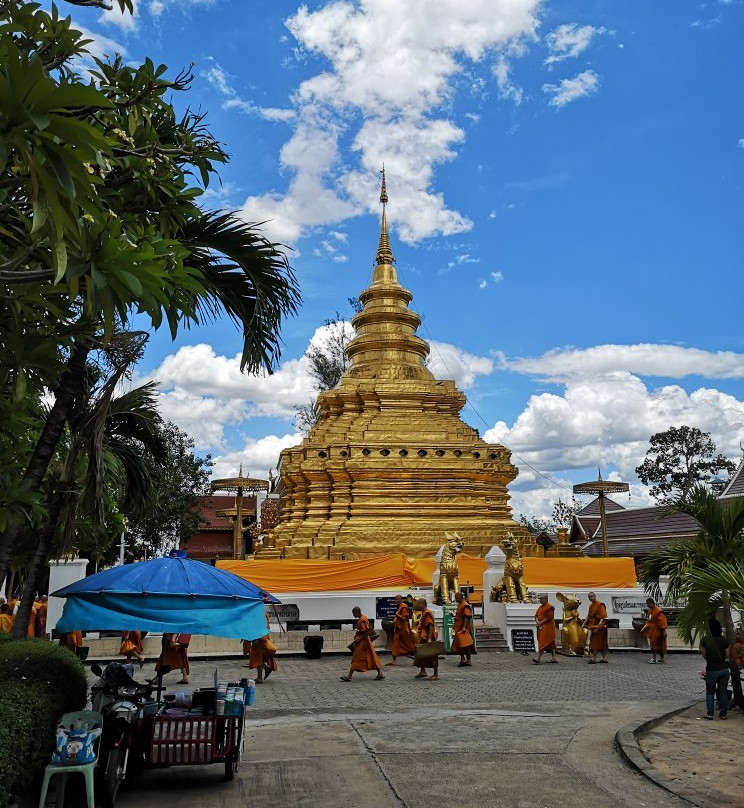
{"x":121,"y":701}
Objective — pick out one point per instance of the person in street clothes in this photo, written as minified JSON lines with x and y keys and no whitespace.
{"x":427,"y":633}
{"x":736,"y":664}
{"x":545,"y":622}
{"x":131,"y":645}
{"x":403,"y":642}
{"x":595,"y":623}
{"x":6,"y":621}
{"x":363,"y":655}
{"x":262,"y":655}
{"x":714,"y":647}
{"x":462,"y":641}
{"x":655,"y":630}
{"x":175,"y":654}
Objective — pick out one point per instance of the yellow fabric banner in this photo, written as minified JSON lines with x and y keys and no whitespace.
{"x":580,"y":573}
{"x":390,"y":571}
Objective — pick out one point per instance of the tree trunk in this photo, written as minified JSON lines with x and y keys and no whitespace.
{"x":20,"y":626}
{"x":70,"y":385}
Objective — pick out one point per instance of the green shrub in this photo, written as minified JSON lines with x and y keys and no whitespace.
{"x":39,"y":682}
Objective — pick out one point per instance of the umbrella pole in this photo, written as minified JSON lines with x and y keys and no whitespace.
{"x":276,"y":614}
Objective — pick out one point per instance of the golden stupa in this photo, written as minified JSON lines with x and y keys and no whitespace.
{"x":389,"y":465}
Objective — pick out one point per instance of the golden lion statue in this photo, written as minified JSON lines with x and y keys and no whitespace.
{"x":512,"y":587}
{"x":449,"y":574}
{"x":573,"y":636}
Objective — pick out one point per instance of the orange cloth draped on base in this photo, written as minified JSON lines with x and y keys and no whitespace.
{"x":364,"y":657}
{"x":597,"y":613}
{"x":655,"y":630}
{"x":403,"y":642}
{"x":175,"y":658}
{"x":131,"y":642}
{"x":463,"y":639}
{"x":546,"y":632}
{"x":427,"y":632}
{"x":6,"y":623}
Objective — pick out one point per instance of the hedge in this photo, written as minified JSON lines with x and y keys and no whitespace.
{"x":39,"y":681}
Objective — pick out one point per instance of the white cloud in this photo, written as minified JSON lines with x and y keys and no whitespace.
{"x":507,"y":89}
{"x":390,"y":68}
{"x":275,"y":114}
{"x":257,"y":456}
{"x":497,"y":277}
{"x":645,"y":359}
{"x":221,"y":80}
{"x":482,"y":284}
{"x":100,"y":46}
{"x":567,"y":41}
{"x":569,"y":90}
{"x":329,"y":248}
{"x":121,"y":19}
{"x":447,"y":361}
{"x":741,"y":142}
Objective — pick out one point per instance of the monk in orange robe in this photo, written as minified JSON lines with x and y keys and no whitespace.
{"x":655,"y":631}
{"x":175,"y":655}
{"x":463,"y":642}
{"x":131,"y":645}
{"x":427,"y":633}
{"x":363,"y":655}
{"x":595,"y":623}
{"x":32,"y":621}
{"x":262,"y":655}
{"x":43,"y":614}
{"x":403,"y":642}
{"x":72,"y":641}
{"x":545,"y":622}
{"x":6,"y":621}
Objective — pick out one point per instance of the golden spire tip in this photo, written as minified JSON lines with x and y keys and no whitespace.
{"x":384,"y":250}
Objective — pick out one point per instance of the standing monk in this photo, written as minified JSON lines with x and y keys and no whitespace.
{"x":131,"y":645}
{"x":545,"y":622}
{"x":403,"y":642}
{"x":33,"y":628}
{"x":175,"y":655}
{"x":655,"y":631}
{"x":72,"y":641}
{"x":6,"y":621}
{"x":595,"y":622}
{"x":427,"y":633}
{"x":463,"y":628}
{"x":262,"y":656}
{"x":363,"y":655}
{"x":43,"y":614}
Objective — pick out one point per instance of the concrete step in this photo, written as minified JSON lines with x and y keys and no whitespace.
{"x":490,"y":638}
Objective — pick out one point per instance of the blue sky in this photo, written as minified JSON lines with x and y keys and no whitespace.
{"x":565,"y":185}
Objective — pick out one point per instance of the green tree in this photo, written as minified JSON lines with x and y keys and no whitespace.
{"x":677,"y":459}
{"x":720,"y":541}
{"x":99,"y":190}
{"x":172,"y":513}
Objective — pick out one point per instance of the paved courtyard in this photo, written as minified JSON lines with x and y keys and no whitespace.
{"x":504,"y":733}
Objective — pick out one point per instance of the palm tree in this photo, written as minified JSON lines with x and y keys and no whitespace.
{"x":719,"y":544}
{"x":717,"y":577}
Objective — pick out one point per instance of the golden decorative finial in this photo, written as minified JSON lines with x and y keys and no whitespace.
{"x":240,"y":473}
{"x":384,"y":250}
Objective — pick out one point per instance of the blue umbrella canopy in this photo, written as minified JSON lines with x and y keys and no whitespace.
{"x":171,"y":594}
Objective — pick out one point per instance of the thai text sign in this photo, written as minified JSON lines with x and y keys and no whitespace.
{"x":385,"y":608}
{"x":284,"y":612}
{"x":523,"y":640}
{"x":625,"y":605}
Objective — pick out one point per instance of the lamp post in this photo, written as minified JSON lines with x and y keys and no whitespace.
{"x":601,"y":488}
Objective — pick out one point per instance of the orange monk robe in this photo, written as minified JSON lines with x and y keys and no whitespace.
{"x":11,"y":606}
{"x":31,"y":632}
{"x":176,"y":658}
{"x":131,"y":643}
{"x":462,"y":642}
{"x":43,"y":617}
{"x":546,"y":632}
{"x":403,"y":642}
{"x":363,"y":657}
{"x":655,"y":630}
{"x":427,"y":632}
{"x":6,"y":623}
{"x":597,"y":613}
{"x":72,"y":641}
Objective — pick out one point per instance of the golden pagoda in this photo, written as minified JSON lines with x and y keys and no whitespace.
{"x":389,"y":465}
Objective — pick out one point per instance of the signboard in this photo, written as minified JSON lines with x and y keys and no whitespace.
{"x":523,"y":640}
{"x":628,"y":605}
{"x":385,"y":608}
{"x":283,"y":612}
{"x":448,"y":626}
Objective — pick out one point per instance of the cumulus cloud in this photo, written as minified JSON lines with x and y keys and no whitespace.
{"x":645,"y":359}
{"x":568,"y":90}
{"x":121,"y":19}
{"x":221,"y":80}
{"x":100,"y":46}
{"x":447,"y":361}
{"x":567,"y":41}
{"x":389,"y":69}
{"x":257,"y":456}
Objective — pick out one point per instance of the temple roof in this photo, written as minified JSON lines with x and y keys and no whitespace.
{"x":735,"y":486}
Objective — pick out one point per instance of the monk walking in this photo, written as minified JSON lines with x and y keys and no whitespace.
{"x":595,"y":623}
{"x":403,"y":642}
{"x":655,"y":631}
{"x":363,"y":656}
{"x":463,"y":627}
{"x":545,"y":622}
{"x":131,"y":645}
{"x":6,"y":621}
{"x":174,"y":655}
{"x":262,"y":656}
{"x":44,"y":605}
{"x":427,"y":633}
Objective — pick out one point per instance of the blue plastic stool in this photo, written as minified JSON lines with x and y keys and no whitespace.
{"x":83,"y":720}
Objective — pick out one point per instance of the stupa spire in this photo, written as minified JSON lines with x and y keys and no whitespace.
{"x":384,"y":250}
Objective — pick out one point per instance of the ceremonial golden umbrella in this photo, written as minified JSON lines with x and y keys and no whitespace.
{"x":240,"y":485}
{"x":600,"y":488}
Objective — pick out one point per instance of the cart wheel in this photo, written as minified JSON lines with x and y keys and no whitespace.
{"x":230,"y":766}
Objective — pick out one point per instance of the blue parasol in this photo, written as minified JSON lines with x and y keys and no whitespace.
{"x":171,"y":594}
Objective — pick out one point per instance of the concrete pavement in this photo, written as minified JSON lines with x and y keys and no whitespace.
{"x":504,"y":733}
